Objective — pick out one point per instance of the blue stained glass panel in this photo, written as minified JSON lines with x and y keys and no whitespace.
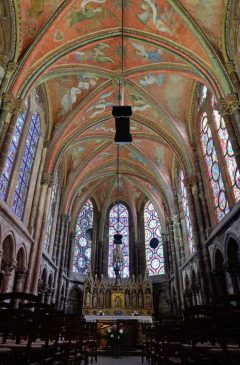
{"x":12,"y":151}
{"x":152,"y":228}
{"x":82,"y":250}
{"x":25,"y":170}
{"x":121,"y":227}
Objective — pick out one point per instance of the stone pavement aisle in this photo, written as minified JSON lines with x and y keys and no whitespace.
{"x":125,"y":360}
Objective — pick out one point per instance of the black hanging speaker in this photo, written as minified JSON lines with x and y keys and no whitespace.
{"x":122,"y":123}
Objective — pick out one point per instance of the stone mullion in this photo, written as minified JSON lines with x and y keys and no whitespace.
{"x":18,"y":160}
{"x":136,"y":256}
{"x":142,"y":248}
{"x":37,"y":195}
{"x":41,"y":236}
{"x":11,"y":108}
{"x":197,"y":221}
{"x":222,"y":163}
{"x":36,"y":233}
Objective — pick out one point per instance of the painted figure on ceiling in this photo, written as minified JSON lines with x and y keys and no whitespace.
{"x":150,"y":17}
{"x":154,"y":55}
{"x":101,"y":105}
{"x":86,"y":82}
{"x":97,"y":54}
{"x":139,"y":103}
{"x":151,"y":79}
{"x":88,"y":9}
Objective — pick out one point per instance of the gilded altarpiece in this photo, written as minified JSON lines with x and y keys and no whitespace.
{"x":130,"y":296}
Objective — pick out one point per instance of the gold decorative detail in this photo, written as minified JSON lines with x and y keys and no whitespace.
{"x":228,"y":105}
{"x":11,"y":104}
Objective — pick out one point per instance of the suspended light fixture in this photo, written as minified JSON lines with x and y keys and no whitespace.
{"x":122,"y":112}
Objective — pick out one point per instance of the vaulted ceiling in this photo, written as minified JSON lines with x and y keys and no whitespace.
{"x":72,"y":51}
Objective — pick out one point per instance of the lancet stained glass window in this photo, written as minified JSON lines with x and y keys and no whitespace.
{"x":51,"y":212}
{"x":215,"y":176}
{"x":152,"y":228}
{"x":228,"y":153}
{"x":123,"y":228}
{"x":82,"y":250}
{"x":26,"y":166}
{"x":12,"y":151}
{"x":184,"y":200}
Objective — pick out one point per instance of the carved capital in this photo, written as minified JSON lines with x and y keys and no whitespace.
{"x":11,"y":104}
{"x":228,"y":105}
{"x":230,"y":67}
{"x":3,"y":60}
{"x":8,"y":266}
{"x":11,"y":66}
{"x":190,"y":181}
{"x":46,"y":178}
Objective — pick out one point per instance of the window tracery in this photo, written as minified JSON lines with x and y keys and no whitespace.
{"x":11,"y":155}
{"x":26,"y":166}
{"x":228,"y":154}
{"x":121,"y":227}
{"x":152,"y":228}
{"x":51,"y":212}
{"x":187,"y":217}
{"x":214,"y":172}
{"x":82,"y":249}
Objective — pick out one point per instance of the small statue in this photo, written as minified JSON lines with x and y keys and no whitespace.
{"x":87,"y":299}
{"x":134,"y":299}
{"x":127,"y":299}
{"x":140,"y":299}
{"x":94,"y":299}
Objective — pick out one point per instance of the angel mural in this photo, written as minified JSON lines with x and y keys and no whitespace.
{"x":151,"y":80}
{"x":139,"y":103}
{"x":101,"y":105}
{"x":153,"y":55}
{"x":150,"y":17}
{"x":86,"y":82}
{"x":97,"y":54}
{"x":88,"y":9}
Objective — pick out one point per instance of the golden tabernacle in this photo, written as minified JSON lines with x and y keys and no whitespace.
{"x":132,"y":296}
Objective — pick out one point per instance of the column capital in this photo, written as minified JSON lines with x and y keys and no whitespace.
{"x":190,"y":181}
{"x":46,"y":178}
{"x":228,"y":105}
{"x":11,"y":104}
{"x":11,"y":66}
{"x":3,"y":59}
{"x":8,"y":266}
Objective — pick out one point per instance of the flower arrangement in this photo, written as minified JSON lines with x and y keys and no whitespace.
{"x":100,"y":313}
{"x":115,"y":334}
{"x":135,"y":313}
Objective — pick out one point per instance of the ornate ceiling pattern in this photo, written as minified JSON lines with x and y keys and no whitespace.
{"x":71,"y":51}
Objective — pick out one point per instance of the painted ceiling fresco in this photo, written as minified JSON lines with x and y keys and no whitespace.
{"x":74,"y":56}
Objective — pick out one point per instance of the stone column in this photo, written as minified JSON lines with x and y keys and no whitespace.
{"x":229,"y":108}
{"x":234,"y":274}
{"x":8,"y":269}
{"x":136,"y":255}
{"x":233,"y":75}
{"x":198,"y":233}
{"x":41,"y":236}
{"x":20,"y":280}
{"x":10,"y":67}
{"x":11,"y":107}
{"x":173,"y":235}
{"x":3,"y":67}
{"x":33,"y":217}
{"x":32,"y":279}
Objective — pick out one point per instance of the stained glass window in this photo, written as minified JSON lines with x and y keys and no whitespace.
{"x":184,"y":201}
{"x":228,"y":153}
{"x":51,"y":212}
{"x":12,"y":151}
{"x":26,"y":166}
{"x":203,"y":94}
{"x":215,"y":176}
{"x":122,"y":227}
{"x":82,"y":250}
{"x":152,"y":227}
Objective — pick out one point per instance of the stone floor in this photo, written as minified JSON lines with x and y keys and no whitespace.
{"x":108,"y":360}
